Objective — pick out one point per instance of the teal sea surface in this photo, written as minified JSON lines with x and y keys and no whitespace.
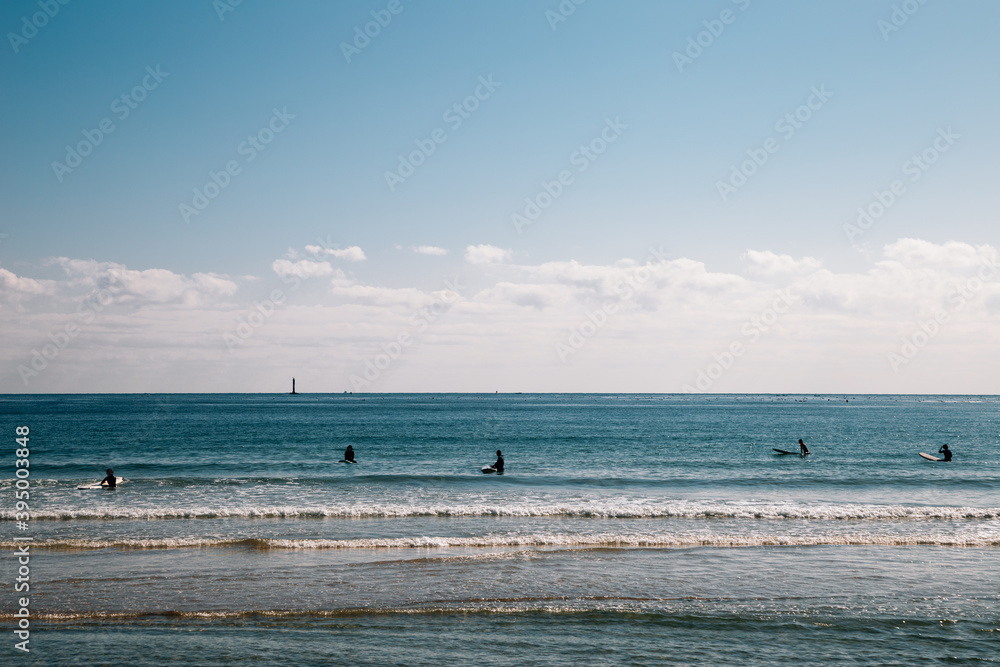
{"x":626,"y":529}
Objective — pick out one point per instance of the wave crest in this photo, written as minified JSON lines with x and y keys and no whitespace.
{"x":534,"y":540}
{"x":675,"y":510}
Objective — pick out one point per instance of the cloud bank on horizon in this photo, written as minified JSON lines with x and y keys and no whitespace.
{"x":657,"y":324}
{"x":378,"y":197}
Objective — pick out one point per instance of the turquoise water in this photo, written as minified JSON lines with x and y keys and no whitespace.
{"x":628,"y":528}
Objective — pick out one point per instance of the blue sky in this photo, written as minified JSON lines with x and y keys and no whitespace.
{"x":554,"y":87}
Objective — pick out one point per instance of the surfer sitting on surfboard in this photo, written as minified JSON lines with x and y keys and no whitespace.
{"x":498,"y":466}
{"x":947,"y":452}
{"x":349,"y":454}
{"x":803,"y":450}
{"x":110,"y":479}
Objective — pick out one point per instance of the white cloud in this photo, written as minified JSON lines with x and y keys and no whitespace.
{"x":429,"y":250}
{"x":486,"y":254}
{"x":917,"y":253}
{"x":351,"y":254}
{"x":381,"y":296}
{"x":149,"y":286}
{"x":15,"y":287}
{"x":653,"y":326}
{"x":537,"y":296}
{"x":646,"y":285}
{"x":304,"y":268}
{"x":767,"y":263}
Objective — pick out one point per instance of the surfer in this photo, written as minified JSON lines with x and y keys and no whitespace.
{"x":947,"y":453}
{"x":349,"y":454}
{"x":803,"y":450}
{"x":110,"y":479}
{"x":498,"y":466}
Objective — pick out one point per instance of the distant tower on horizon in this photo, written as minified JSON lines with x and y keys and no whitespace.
{"x":293,"y":386}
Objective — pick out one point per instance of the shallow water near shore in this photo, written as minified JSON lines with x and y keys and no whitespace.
{"x":643,"y":528}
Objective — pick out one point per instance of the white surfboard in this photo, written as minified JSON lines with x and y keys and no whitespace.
{"x":98,"y":485}
{"x":930,"y":458}
{"x":489,"y":470}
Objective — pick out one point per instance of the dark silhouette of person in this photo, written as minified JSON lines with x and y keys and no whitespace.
{"x":110,"y":479}
{"x":803,"y":450}
{"x":349,"y":454}
{"x":947,"y":453}
{"x":498,"y":466}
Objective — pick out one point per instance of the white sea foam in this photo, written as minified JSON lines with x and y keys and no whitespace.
{"x":636,"y":541}
{"x":596,"y":510}
{"x":549,"y":540}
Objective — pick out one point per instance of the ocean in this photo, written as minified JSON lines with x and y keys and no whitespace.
{"x":627,"y":529}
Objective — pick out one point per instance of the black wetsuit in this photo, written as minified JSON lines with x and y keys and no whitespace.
{"x":498,"y":466}
{"x":947,"y":454}
{"x":349,"y":455}
{"x":110,"y":481}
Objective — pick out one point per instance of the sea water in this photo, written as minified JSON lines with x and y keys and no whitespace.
{"x":642,"y":529}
